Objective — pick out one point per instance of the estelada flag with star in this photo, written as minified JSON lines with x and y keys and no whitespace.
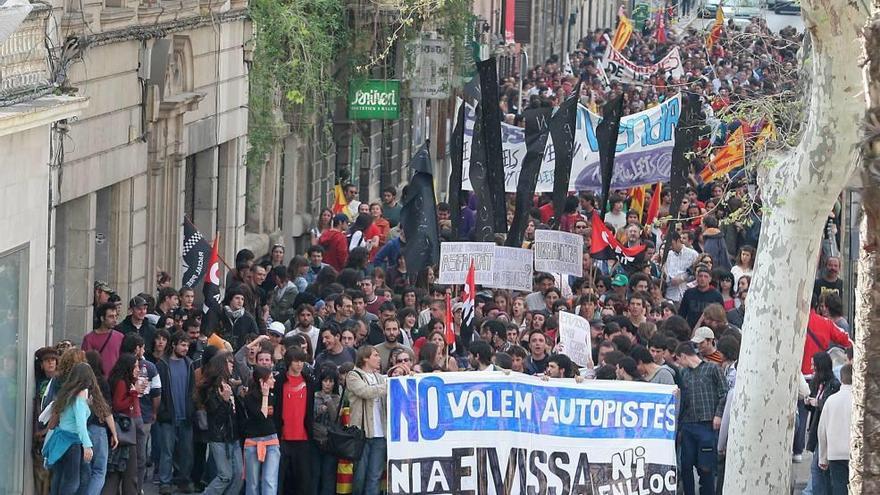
{"x":339,"y":201}
{"x":715,"y":31}
{"x":606,"y":247}
{"x":731,"y":156}
{"x":623,"y":32}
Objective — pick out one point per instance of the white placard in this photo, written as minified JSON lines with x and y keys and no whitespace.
{"x":429,"y":71}
{"x":559,"y":252}
{"x":513,"y":269}
{"x":455,"y":260}
{"x":574,"y":336}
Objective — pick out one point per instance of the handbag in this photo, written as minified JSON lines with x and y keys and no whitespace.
{"x":345,"y":441}
{"x":201,"y":420}
{"x":126,"y":431}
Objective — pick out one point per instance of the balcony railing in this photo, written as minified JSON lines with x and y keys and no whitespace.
{"x":24,"y":62}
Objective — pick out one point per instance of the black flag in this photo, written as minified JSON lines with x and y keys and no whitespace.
{"x":195,"y":254}
{"x":687,"y":130}
{"x":490,"y":114}
{"x":484,"y":231}
{"x":456,"y":152}
{"x":562,"y":130}
{"x":606,"y":135}
{"x":418,"y":217}
{"x":537,"y":129}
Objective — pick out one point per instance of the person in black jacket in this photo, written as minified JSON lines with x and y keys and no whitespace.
{"x":823,"y":385}
{"x":262,"y":451}
{"x":137,"y":322}
{"x":175,"y":414}
{"x":232,"y":320}
{"x":215,"y":394}
{"x":294,"y":416}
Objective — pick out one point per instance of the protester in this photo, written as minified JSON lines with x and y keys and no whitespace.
{"x":69,"y":444}
{"x":834,"y":434}
{"x":367,"y":390}
{"x":293,"y":414}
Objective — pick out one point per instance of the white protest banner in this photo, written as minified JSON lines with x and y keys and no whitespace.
{"x":488,"y":433}
{"x":574,"y":335}
{"x":644,"y":150}
{"x":559,"y":252}
{"x":619,"y":68}
{"x":455,"y":260}
{"x":512,"y":269}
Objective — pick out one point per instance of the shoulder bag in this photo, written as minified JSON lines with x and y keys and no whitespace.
{"x":345,"y":441}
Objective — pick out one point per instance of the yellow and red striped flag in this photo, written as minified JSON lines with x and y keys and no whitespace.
{"x":768,"y":133}
{"x":729,"y":157}
{"x":339,"y":201}
{"x":623,"y":33}
{"x":715,"y":32}
{"x":637,"y":199}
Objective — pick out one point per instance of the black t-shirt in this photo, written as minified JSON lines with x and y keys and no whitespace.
{"x":823,"y":286}
{"x":254,"y":424}
{"x":346,"y":356}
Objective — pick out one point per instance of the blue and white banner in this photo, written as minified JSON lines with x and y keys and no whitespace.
{"x":484,"y":433}
{"x":644,"y":150}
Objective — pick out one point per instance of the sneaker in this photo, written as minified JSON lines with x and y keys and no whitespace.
{"x":166,"y":490}
{"x":797,"y":458}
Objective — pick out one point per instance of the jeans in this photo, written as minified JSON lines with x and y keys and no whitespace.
{"x":800,"y":429}
{"x":155,"y":447}
{"x":227,"y":460}
{"x":143,"y":433}
{"x":65,"y":472}
{"x":325,"y":468}
{"x":839,"y":472}
{"x":368,"y":470}
{"x":821,"y":481}
{"x":699,"y":448}
{"x":177,"y":443}
{"x":92,"y":474}
{"x":261,"y":478}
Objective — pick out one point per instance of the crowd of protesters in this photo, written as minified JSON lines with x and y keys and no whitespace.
{"x":154,"y":396}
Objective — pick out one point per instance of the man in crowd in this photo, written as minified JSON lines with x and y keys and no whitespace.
{"x":678,"y":262}
{"x":137,"y":323}
{"x":480,"y":356}
{"x":703,"y":391}
{"x":697,"y":298}
{"x":334,"y":352}
{"x":305,"y":319}
{"x":538,"y":353}
{"x":391,"y":331}
{"x":704,"y":338}
{"x":316,"y":262}
{"x":175,"y":416}
{"x":390,"y":207}
{"x":105,"y":339}
{"x":335,"y":243}
{"x":281,"y":300}
{"x":834,"y":433}
{"x":102,"y":294}
{"x":830,"y":281}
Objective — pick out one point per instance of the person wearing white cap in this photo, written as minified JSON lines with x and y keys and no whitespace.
{"x":704,"y":337}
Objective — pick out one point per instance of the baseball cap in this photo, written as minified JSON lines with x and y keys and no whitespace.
{"x":136,"y":302}
{"x":620,"y":280}
{"x":277,"y":328}
{"x":702,"y":334}
{"x":103,"y":286}
{"x":597,"y":322}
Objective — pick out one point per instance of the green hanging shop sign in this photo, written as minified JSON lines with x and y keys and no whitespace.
{"x":373,"y":99}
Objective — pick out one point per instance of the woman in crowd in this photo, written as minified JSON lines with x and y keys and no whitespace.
{"x":275,"y":255}
{"x":322,"y":224}
{"x":326,"y":412}
{"x":408,"y":298}
{"x":102,"y":431}
{"x":367,"y":391}
{"x":297,"y":270}
{"x":160,"y":346}
{"x":823,"y":385}
{"x":408,"y":318}
{"x":745,"y":263}
{"x":518,"y":312}
{"x":215,"y":393}
{"x":125,"y":389}
{"x":262,"y":453}
{"x":726,"y":288}
{"x":68,"y":444}
{"x":441,"y":358}
{"x":363,"y":233}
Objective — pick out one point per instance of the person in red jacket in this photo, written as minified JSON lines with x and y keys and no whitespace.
{"x":821,"y":333}
{"x":335,"y":243}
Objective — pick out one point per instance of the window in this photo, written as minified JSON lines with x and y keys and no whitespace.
{"x":13,"y":372}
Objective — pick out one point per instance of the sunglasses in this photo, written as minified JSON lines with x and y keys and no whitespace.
{"x":402,"y":360}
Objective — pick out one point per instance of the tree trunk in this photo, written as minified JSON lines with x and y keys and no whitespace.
{"x":865,"y":457}
{"x":798,"y":192}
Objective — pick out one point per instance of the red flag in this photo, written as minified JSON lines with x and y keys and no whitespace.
{"x":211,"y":287}
{"x":606,"y":247}
{"x":654,"y":207}
{"x":447,"y":324}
